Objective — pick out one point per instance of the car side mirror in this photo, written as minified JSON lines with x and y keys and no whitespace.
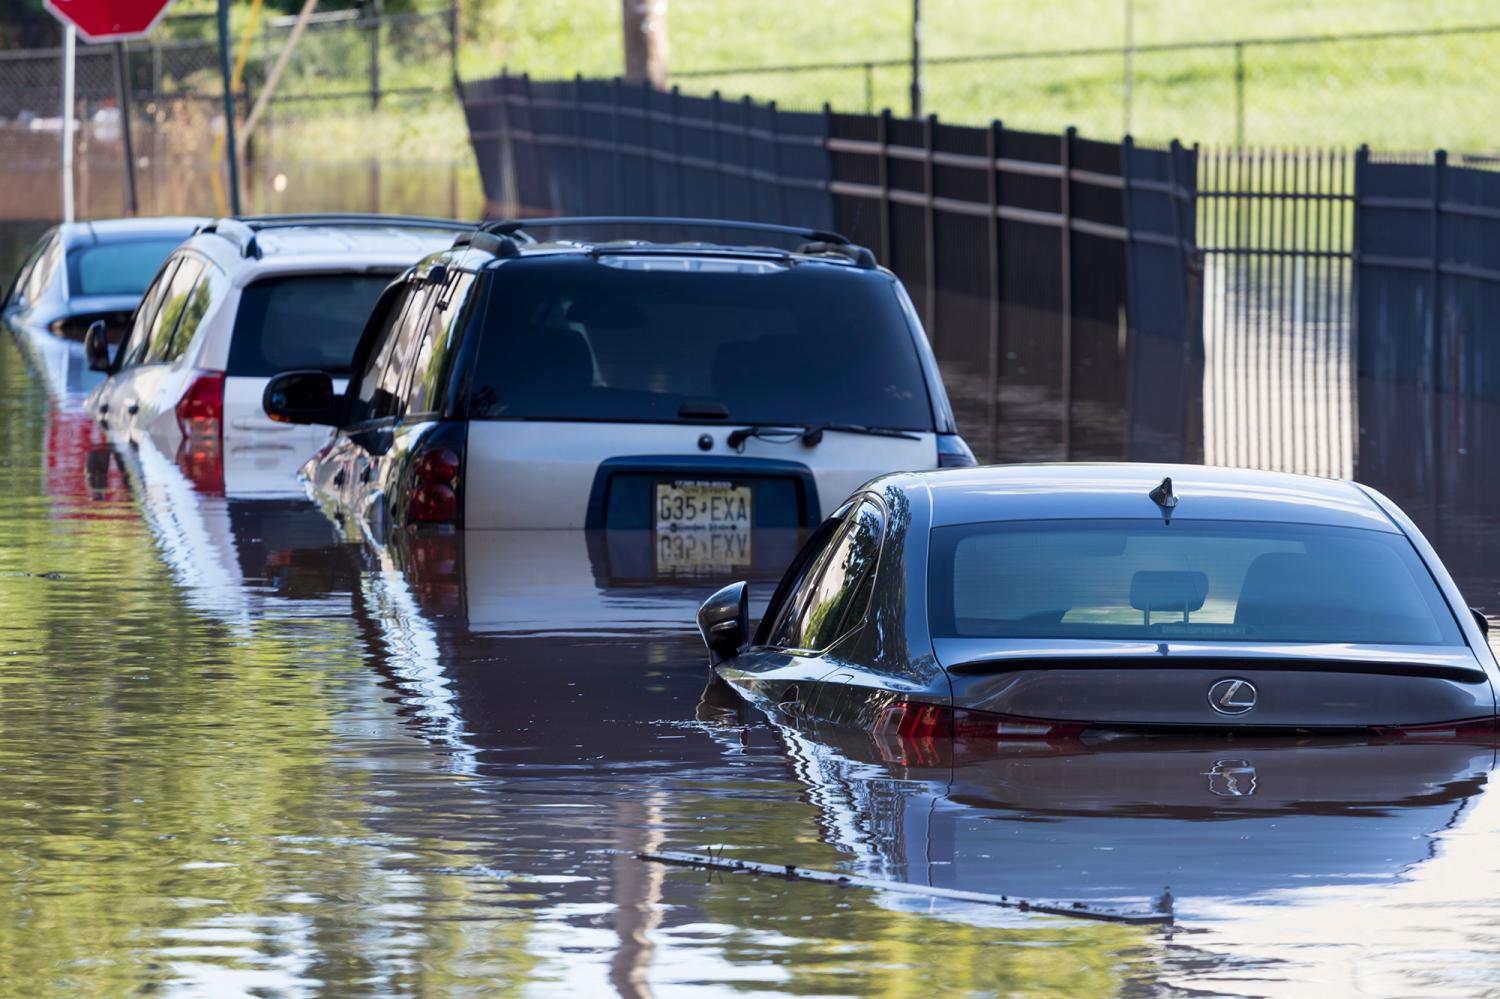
{"x":304,"y":397}
{"x":96,"y":346}
{"x":724,"y":620}
{"x":1481,"y":620}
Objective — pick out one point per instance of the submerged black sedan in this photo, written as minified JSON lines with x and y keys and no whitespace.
{"x":1052,"y":602}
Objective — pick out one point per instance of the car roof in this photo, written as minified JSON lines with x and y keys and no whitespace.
{"x":76,"y":234}
{"x":514,"y":239}
{"x":566,"y":253}
{"x":326,"y":243}
{"x":1122,"y":491}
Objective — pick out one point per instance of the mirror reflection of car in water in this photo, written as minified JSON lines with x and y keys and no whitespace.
{"x":1217,"y":820}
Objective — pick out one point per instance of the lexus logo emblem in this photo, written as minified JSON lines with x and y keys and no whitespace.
{"x":1232,"y":696}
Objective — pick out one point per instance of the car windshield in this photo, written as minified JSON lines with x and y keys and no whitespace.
{"x":1216,"y":581}
{"x":652,"y":339}
{"x":303,"y":321}
{"x":117,"y":268}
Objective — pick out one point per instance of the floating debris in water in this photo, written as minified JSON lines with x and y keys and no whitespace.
{"x":791,"y":872}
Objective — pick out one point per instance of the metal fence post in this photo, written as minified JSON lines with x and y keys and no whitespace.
{"x":1435,"y":336}
{"x":1361,"y":161}
{"x":869,"y":88}
{"x":992,"y":255}
{"x":580,"y":159}
{"x":1184,"y":255}
{"x":1067,"y":291}
{"x":883,"y":130}
{"x":929,"y":232}
{"x":1127,"y":162}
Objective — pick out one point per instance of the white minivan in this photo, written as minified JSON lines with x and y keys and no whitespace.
{"x":237,"y":302}
{"x":706,"y":392}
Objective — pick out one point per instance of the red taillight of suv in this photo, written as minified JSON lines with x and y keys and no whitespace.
{"x":435,"y":475}
{"x":200,"y":417}
{"x":909,"y":720}
{"x":200,"y":411}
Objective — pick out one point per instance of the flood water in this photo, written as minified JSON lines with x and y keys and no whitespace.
{"x":242,"y":753}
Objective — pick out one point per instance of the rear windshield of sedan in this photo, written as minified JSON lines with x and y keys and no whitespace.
{"x":303,"y":321}
{"x":1205,"y":580}
{"x":117,"y":268}
{"x":649,"y":339}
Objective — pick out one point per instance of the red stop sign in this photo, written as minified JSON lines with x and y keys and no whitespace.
{"x":109,"y":20}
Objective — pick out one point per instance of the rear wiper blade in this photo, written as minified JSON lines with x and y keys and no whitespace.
{"x":808,"y":433}
{"x":814,"y":433}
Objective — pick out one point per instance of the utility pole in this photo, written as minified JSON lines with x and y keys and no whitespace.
{"x":646,"y":47}
{"x":916,"y":58}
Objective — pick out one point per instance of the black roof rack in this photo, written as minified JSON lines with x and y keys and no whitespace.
{"x":242,"y":229}
{"x":816,"y":241}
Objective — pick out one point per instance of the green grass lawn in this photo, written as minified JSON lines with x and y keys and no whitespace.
{"x":1399,"y":94}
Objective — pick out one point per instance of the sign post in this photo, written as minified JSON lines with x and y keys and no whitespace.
{"x":70,"y":50}
{"x":98,"y":21}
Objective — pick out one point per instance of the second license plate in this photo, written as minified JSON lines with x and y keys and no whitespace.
{"x":693,"y":505}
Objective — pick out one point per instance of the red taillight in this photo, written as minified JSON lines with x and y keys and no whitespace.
{"x":1471,"y":730}
{"x":200,"y":411}
{"x":986,"y":725}
{"x":200,"y":417}
{"x":434,"y":486}
{"x":910,"y":720}
{"x":440,"y":464}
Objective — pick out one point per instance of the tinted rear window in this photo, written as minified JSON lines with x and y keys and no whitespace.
{"x":305,"y":321}
{"x":117,"y":268}
{"x":1215,"y":581}
{"x":638,"y":339}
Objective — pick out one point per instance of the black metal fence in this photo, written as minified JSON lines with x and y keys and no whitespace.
{"x":1427,"y":278}
{"x":604,"y":146}
{"x":1055,"y":274}
{"x":1275,"y":228}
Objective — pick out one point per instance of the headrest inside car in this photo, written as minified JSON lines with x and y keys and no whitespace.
{"x":1156,"y":590}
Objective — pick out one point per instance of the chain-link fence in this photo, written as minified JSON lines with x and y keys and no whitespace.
{"x":362,"y":118}
{"x":1406,"y":89}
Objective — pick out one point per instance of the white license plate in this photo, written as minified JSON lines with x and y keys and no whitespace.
{"x":702,"y":552}
{"x":690,"y":505}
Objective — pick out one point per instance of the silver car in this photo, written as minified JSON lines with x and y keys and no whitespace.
{"x":1065,"y":602}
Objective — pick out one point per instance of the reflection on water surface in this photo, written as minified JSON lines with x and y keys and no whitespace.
{"x":244,"y":753}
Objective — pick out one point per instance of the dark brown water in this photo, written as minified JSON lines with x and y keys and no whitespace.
{"x":240,"y":755}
